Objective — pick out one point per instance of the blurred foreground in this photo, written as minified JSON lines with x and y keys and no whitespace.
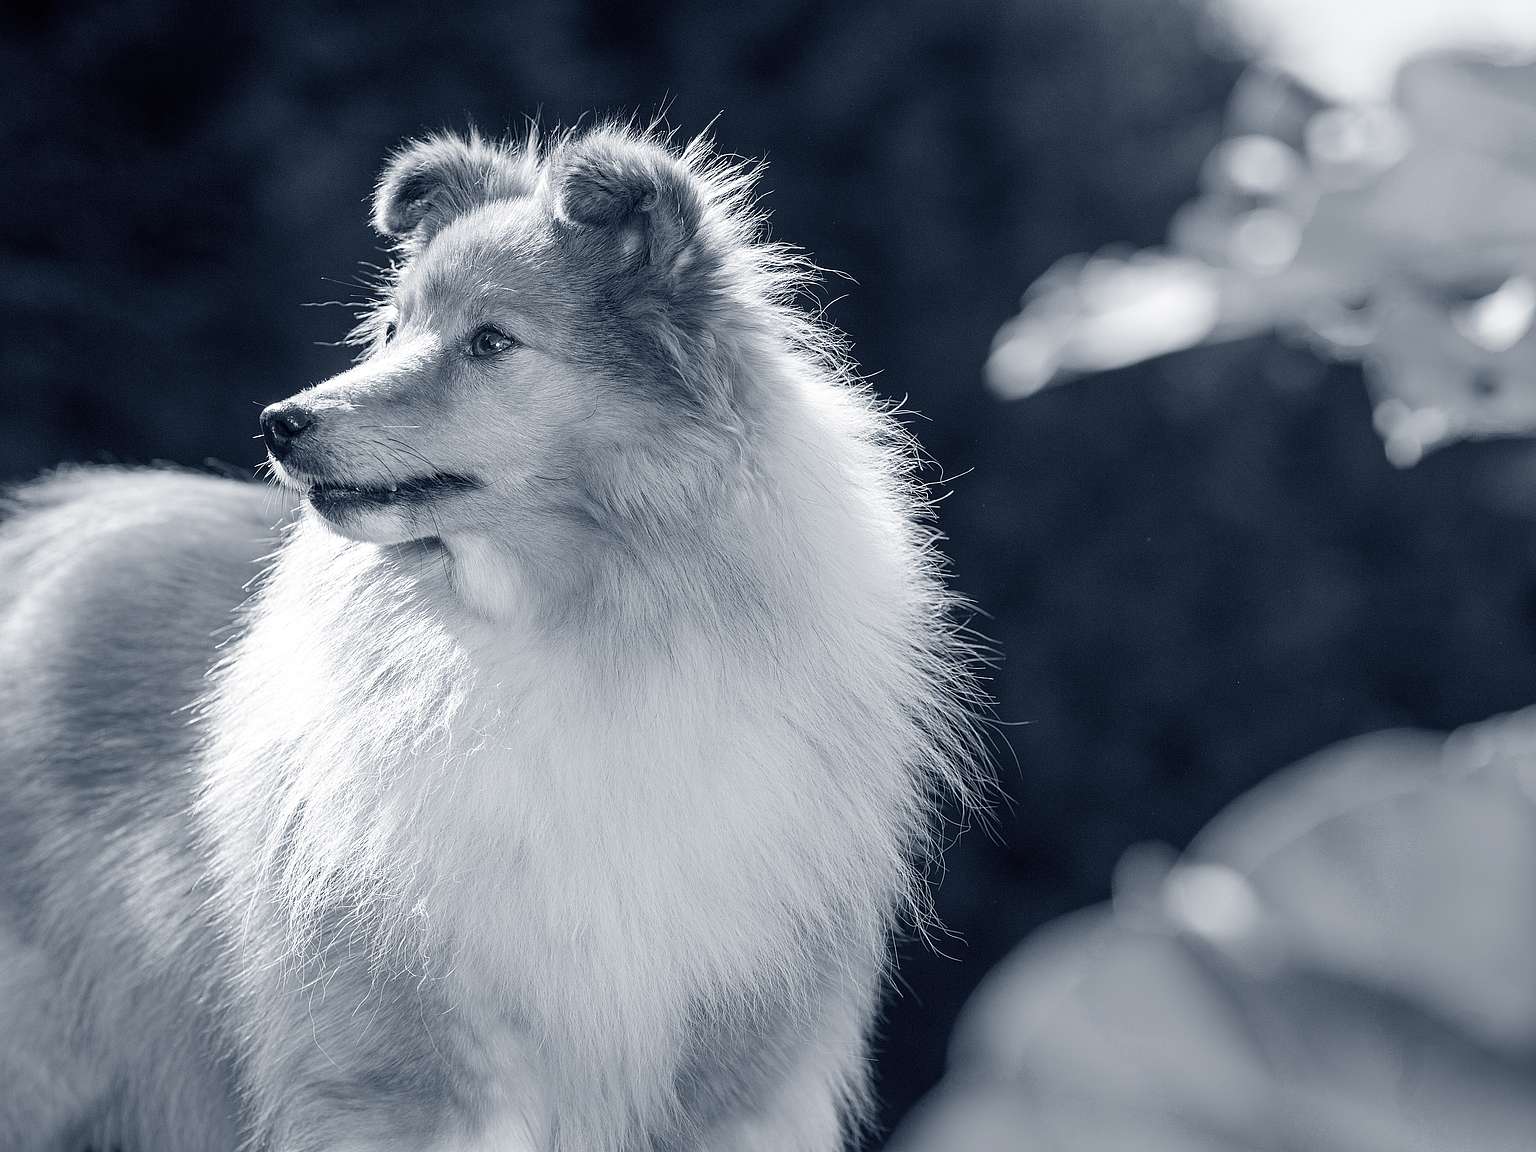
{"x":1341,"y":962}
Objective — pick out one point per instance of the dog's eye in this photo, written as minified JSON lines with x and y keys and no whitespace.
{"x":488,"y":341}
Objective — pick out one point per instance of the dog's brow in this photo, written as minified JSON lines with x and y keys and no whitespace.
{"x":441,"y":286}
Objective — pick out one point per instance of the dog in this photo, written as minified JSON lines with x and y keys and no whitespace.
{"x":546,"y":762}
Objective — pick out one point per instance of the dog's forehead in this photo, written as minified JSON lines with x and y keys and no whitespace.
{"x":501,"y":243}
{"x":503,"y":256}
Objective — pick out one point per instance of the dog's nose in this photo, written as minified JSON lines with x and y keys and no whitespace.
{"x":282,"y":424}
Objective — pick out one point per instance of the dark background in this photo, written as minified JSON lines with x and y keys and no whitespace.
{"x":1197,"y":571}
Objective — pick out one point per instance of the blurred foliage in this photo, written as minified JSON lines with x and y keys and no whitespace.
{"x":1198,"y":570}
{"x":1341,"y":962}
{"x":1400,"y":234}
{"x":1352,"y":51}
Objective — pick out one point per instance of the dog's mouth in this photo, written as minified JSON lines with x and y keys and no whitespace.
{"x":333,"y":498}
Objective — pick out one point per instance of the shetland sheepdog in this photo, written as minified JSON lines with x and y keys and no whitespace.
{"x":544,"y":763}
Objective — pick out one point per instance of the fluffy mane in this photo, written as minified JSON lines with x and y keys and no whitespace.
{"x":714,"y":759}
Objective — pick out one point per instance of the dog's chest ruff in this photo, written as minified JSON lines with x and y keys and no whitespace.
{"x":590,"y":866}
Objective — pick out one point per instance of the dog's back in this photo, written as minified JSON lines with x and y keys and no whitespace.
{"x":116,"y":587}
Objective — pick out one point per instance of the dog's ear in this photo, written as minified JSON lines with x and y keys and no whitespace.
{"x":431,"y":181}
{"x":633,"y":194}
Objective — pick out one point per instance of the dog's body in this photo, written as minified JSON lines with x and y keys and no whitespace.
{"x":562,"y":796}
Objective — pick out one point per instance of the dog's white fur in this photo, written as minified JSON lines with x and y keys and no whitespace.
{"x":534,"y":830}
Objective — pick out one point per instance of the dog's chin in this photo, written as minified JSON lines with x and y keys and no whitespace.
{"x":372,"y":525}
{"x":390,"y":513}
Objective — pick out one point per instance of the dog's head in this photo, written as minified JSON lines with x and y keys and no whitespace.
{"x":554,"y":346}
